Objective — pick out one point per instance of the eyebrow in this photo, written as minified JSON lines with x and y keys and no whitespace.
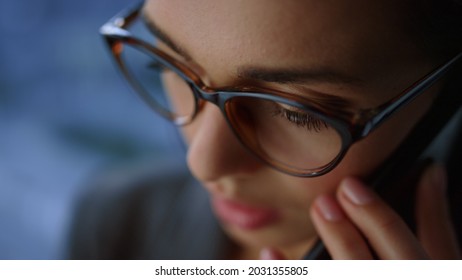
{"x":281,"y":76}
{"x":160,"y":34}
{"x":297,"y":76}
{"x":300,"y":77}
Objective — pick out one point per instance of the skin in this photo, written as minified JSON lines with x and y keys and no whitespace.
{"x":362,"y":38}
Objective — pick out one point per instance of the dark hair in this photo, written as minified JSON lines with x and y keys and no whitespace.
{"x":438,"y":26}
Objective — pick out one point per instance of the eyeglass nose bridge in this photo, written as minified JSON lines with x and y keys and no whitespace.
{"x":216,"y":98}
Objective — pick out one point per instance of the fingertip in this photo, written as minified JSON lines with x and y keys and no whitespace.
{"x":435,"y":228}
{"x":433,"y":183}
{"x":431,"y":191}
{"x":355,"y":191}
{"x":438,"y":176}
{"x":328,"y":208}
{"x":270,"y":254}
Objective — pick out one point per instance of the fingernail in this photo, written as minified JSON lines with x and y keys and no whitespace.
{"x":356,"y":192}
{"x":438,"y":176}
{"x":329,"y":209}
{"x":270,"y":254}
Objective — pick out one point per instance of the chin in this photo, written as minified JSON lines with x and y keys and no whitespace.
{"x":275,"y":236}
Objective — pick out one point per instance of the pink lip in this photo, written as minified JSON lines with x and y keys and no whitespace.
{"x":243,"y":216}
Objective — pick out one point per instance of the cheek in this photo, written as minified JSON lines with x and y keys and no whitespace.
{"x":367,"y":155}
{"x":189,"y":131}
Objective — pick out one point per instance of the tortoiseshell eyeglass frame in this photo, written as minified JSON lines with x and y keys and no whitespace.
{"x":350,"y":126}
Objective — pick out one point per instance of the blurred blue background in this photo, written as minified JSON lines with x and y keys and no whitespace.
{"x":65,"y":114}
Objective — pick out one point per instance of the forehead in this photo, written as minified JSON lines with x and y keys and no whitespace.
{"x":351,"y":34}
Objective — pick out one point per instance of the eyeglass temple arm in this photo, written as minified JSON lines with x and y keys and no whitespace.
{"x":383,"y":112}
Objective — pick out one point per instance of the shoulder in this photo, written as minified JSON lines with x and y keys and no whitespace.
{"x":143,"y":212}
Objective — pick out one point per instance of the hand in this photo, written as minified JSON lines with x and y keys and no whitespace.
{"x":356,"y":221}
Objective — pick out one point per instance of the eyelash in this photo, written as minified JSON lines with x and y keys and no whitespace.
{"x":155,"y":65}
{"x":300,"y":119}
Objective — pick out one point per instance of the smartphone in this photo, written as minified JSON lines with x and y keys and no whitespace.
{"x":396,"y":180}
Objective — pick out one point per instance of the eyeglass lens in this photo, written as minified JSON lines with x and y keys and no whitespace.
{"x":286,"y":137}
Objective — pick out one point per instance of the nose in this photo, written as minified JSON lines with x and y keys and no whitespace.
{"x":214,"y":151}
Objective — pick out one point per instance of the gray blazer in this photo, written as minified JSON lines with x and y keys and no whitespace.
{"x":146,"y":213}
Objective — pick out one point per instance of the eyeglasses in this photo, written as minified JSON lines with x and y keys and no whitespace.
{"x":295,"y":135}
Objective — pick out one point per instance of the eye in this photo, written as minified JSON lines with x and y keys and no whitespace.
{"x":156,"y":66}
{"x":300,"y":118}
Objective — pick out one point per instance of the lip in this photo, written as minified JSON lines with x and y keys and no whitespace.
{"x":242,"y":215}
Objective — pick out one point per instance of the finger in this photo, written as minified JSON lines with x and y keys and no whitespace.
{"x":271,"y":254}
{"x":386,"y":232}
{"x":340,"y":236}
{"x":434,"y":227}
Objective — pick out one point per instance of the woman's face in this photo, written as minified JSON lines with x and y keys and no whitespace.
{"x":356,"y":49}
